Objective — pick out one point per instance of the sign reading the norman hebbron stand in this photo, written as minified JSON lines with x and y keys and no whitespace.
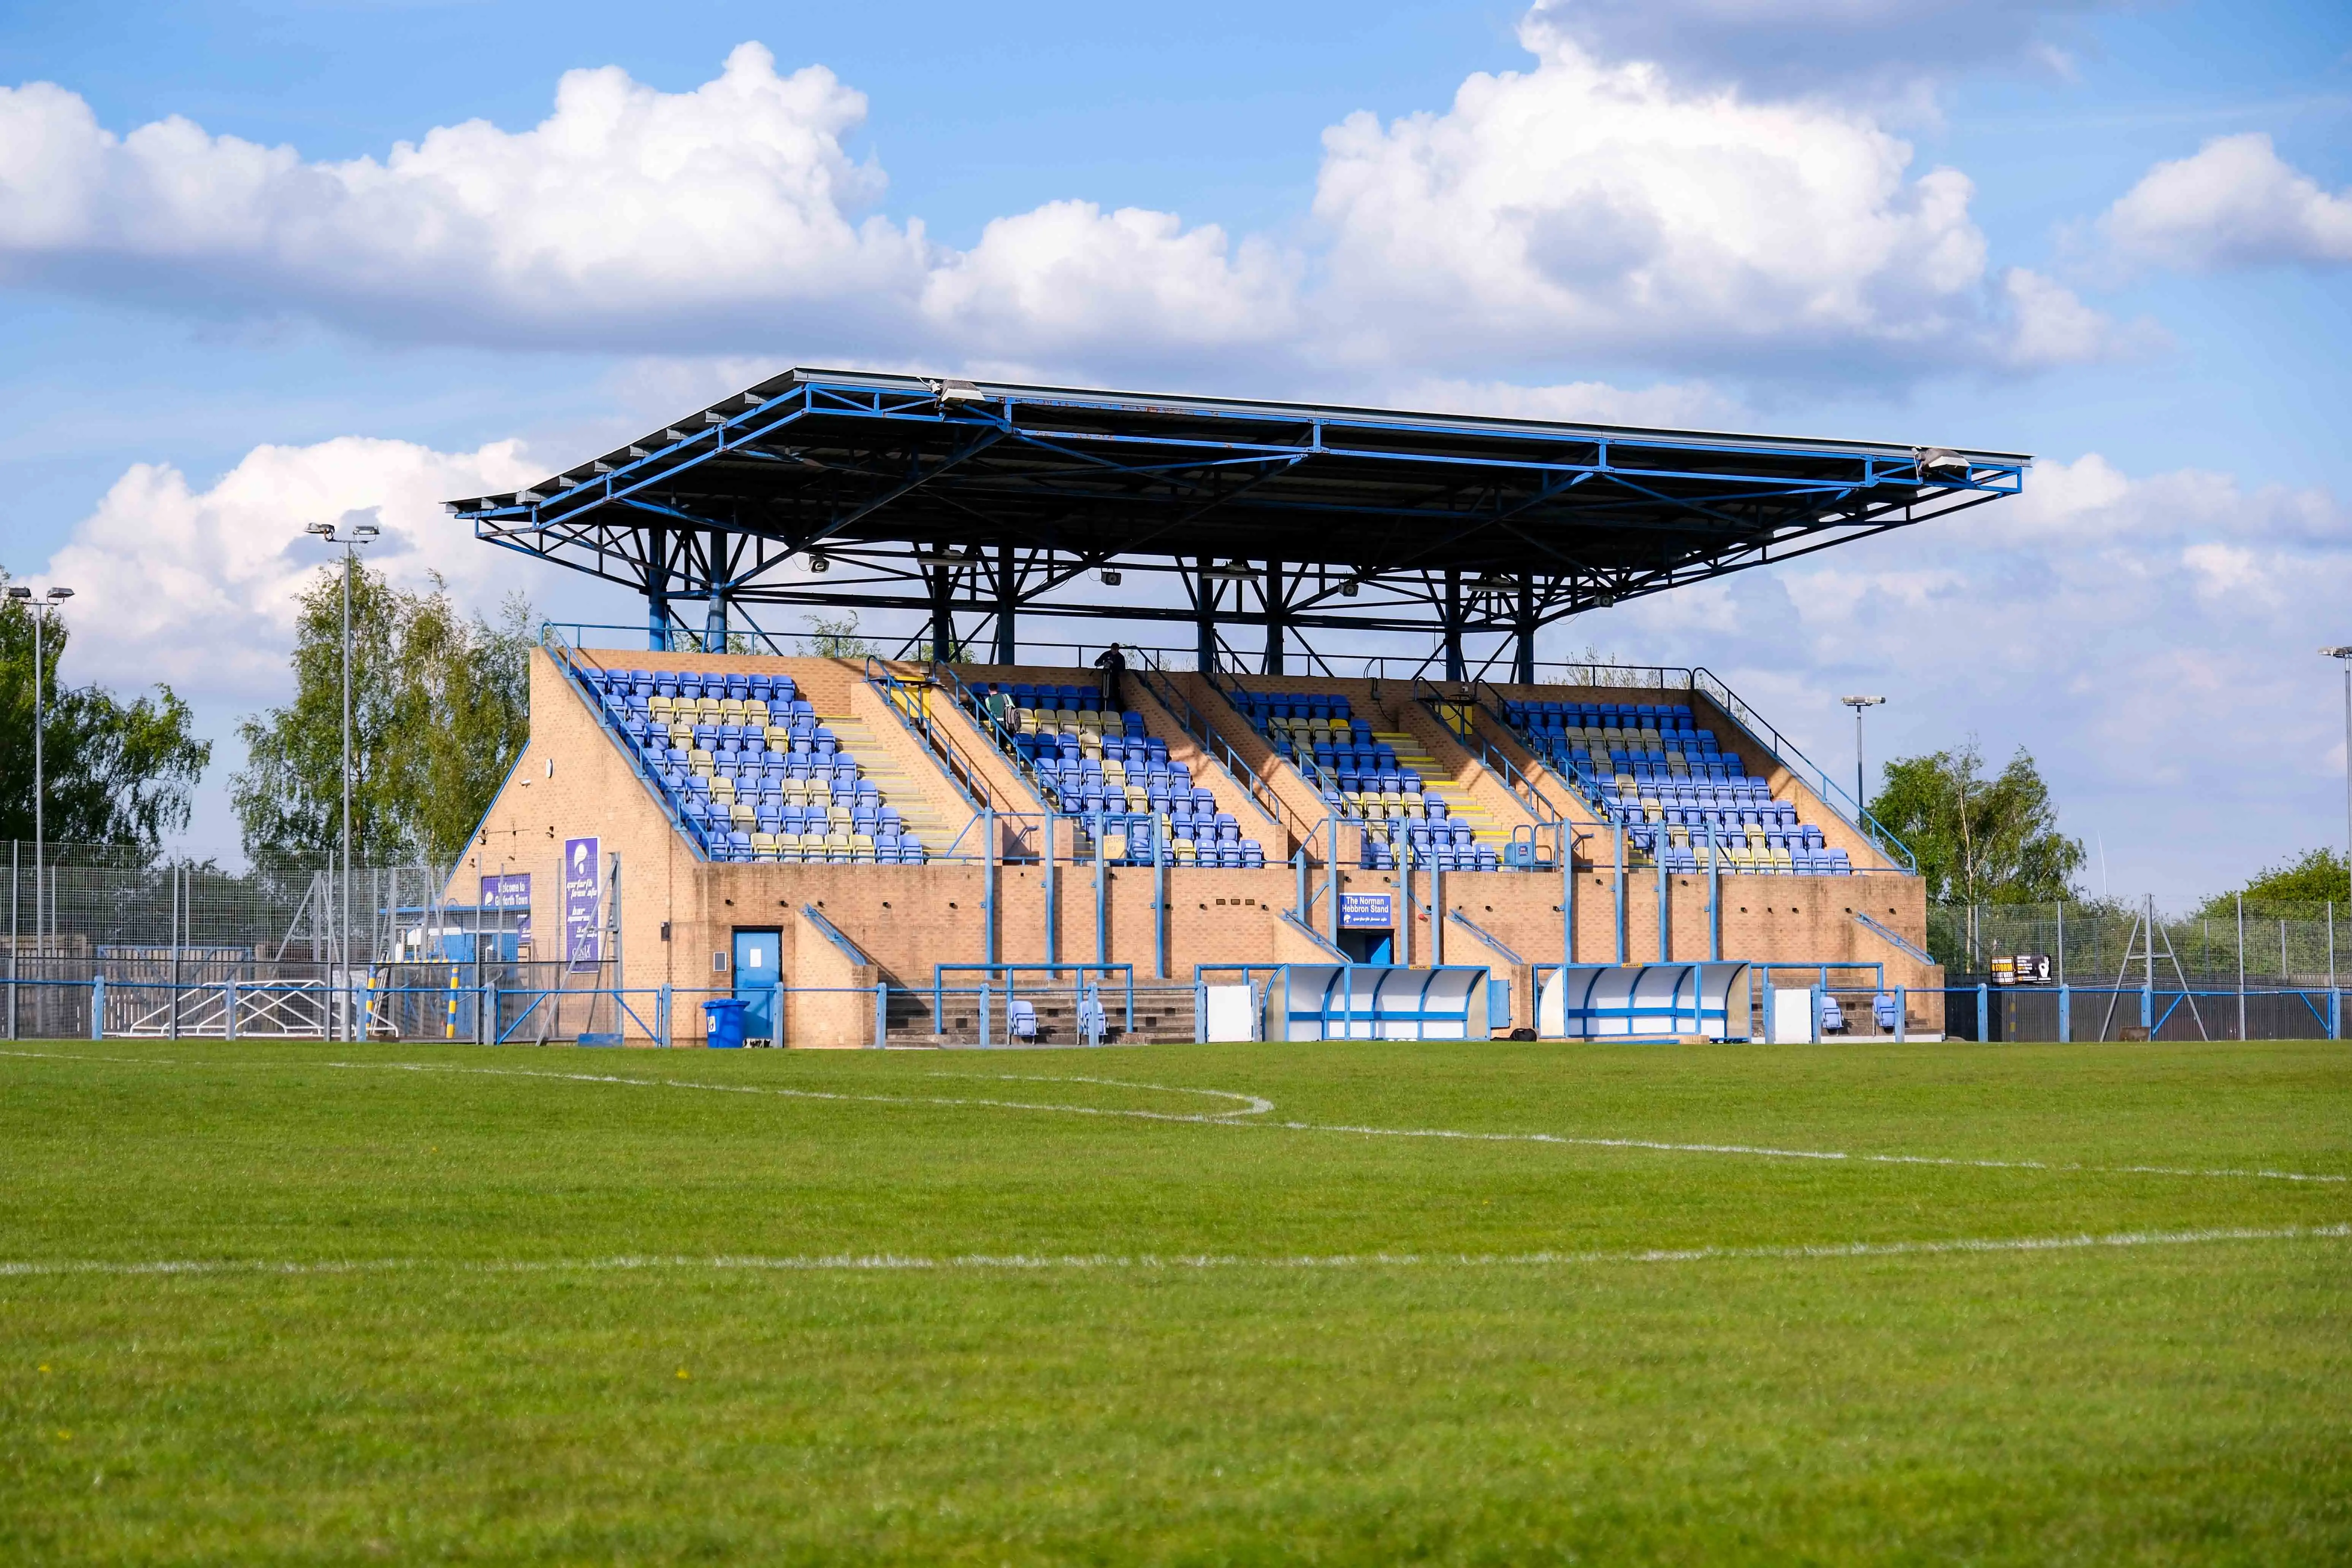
{"x":1367,"y":912}
{"x":581,"y":864}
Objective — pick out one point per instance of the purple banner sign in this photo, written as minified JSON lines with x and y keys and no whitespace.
{"x":582,"y":888}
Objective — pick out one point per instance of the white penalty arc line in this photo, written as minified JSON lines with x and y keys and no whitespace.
{"x":1256,"y":1106}
{"x":884,"y":1262}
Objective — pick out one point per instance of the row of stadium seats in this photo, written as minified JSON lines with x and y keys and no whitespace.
{"x":1447,"y":845}
{"x":1358,"y":776}
{"x":1670,"y":783}
{"x":1100,"y":765}
{"x":750,"y":771}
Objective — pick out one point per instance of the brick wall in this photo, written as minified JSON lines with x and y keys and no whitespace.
{"x":572,"y":781}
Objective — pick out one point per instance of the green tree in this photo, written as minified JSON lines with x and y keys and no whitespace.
{"x":1978,"y":839}
{"x":2319,"y":877}
{"x":439,"y":710}
{"x":112,"y":772}
{"x":835,"y":638}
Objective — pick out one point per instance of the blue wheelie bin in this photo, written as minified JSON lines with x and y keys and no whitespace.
{"x":724,"y":1023}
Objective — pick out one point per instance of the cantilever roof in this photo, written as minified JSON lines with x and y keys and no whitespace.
{"x":851,"y":462}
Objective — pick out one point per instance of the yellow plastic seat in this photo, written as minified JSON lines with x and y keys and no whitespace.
{"x":659,"y":707}
{"x":861,"y":848}
{"x":731,"y":710}
{"x":742,"y":815}
{"x":1115,"y":773}
{"x":812,"y":848}
{"x":764,"y":845}
{"x":1138,"y":799}
{"x":837,"y":820}
{"x":1184,"y":851}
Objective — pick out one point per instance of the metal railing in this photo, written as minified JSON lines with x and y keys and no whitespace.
{"x":1221,"y":752}
{"x":1439,"y":705}
{"x":909,"y":702}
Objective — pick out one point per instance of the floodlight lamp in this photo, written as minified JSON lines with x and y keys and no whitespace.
{"x":817,"y":561}
{"x":2344,"y":652}
{"x":1112,"y":576}
{"x":365,"y":531}
{"x":61,"y":593}
{"x":1940,"y":460}
{"x":1350,"y":588}
{"x":17,"y":593}
{"x":323,"y":530}
{"x":1862,"y":701}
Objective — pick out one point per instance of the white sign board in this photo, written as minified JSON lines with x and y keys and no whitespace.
{"x":1790,"y":1019}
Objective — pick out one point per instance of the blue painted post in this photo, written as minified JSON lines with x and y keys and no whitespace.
{"x":228,"y":1010}
{"x":2335,"y":1014}
{"x":1331,"y":893}
{"x":1567,"y":897}
{"x":776,"y":1016}
{"x":1621,"y":892}
{"x":1984,"y":1012}
{"x":1053,"y":902}
{"x":2065,"y":1012}
{"x":988,"y":888}
{"x":1713,"y":896}
{"x":881,"y":1014}
{"x":1299,"y":862}
{"x":1159,"y":900}
{"x":98,"y":1006}
{"x":1665,"y":903}
{"x":1102,"y":920}
{"x":1902,"y":1012}
{"x":984,"y":1012}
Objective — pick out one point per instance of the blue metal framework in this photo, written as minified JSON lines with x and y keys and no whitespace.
{"x":973,"y":503}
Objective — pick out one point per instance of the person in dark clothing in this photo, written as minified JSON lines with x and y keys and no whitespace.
{"x":1113,"y":665}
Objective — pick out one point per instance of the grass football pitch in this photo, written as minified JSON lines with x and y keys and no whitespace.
{"x":1330,"y":1303}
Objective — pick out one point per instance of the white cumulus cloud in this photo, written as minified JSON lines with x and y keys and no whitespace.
{"x":196,"y":587}
{"x":2236,"y":203}
{"x":1594,"y":208}
{"x":1582,"y":209}
{"x":1842,"y":47}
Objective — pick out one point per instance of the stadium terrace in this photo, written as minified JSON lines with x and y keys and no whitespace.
{"x":978,"y":834}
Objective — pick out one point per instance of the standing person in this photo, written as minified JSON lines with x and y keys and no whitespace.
{"x":1113,"y":663}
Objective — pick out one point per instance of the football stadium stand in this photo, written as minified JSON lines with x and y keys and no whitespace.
{"x":702,"y":808}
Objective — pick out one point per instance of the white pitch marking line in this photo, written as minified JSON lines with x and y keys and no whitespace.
{"x":1232,"y":1118}
{"x":893,"y":1262}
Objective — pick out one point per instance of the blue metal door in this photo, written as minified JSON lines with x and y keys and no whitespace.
{"x":759,"y":970}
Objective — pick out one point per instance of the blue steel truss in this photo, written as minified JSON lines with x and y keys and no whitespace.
{"x":974,"y":503}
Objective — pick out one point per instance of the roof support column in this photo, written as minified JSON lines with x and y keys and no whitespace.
{"x":943,"y":626}
{"x":1523,"y":663}
{"x":658,"y":590}
{"x":1008,"y":599}
{"x":1455,"y":667}
{"x":1274,"y":601}
{"x":1204,"y":615}
{"x":714,"y":621}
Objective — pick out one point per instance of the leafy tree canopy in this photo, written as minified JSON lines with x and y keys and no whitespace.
{"x":2319,"y":877}
{"x":440,"y":708}
{"x":831,"y":639}
{"x":112,"y":772}
{"x":1978,"y":839}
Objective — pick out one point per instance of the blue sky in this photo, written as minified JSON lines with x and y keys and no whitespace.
{"x":201,"y":346}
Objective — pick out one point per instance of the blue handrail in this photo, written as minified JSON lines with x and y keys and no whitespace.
{"x":1514,"y":779}
{"x":1221,"y":751}
{"x":915,"y":718}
